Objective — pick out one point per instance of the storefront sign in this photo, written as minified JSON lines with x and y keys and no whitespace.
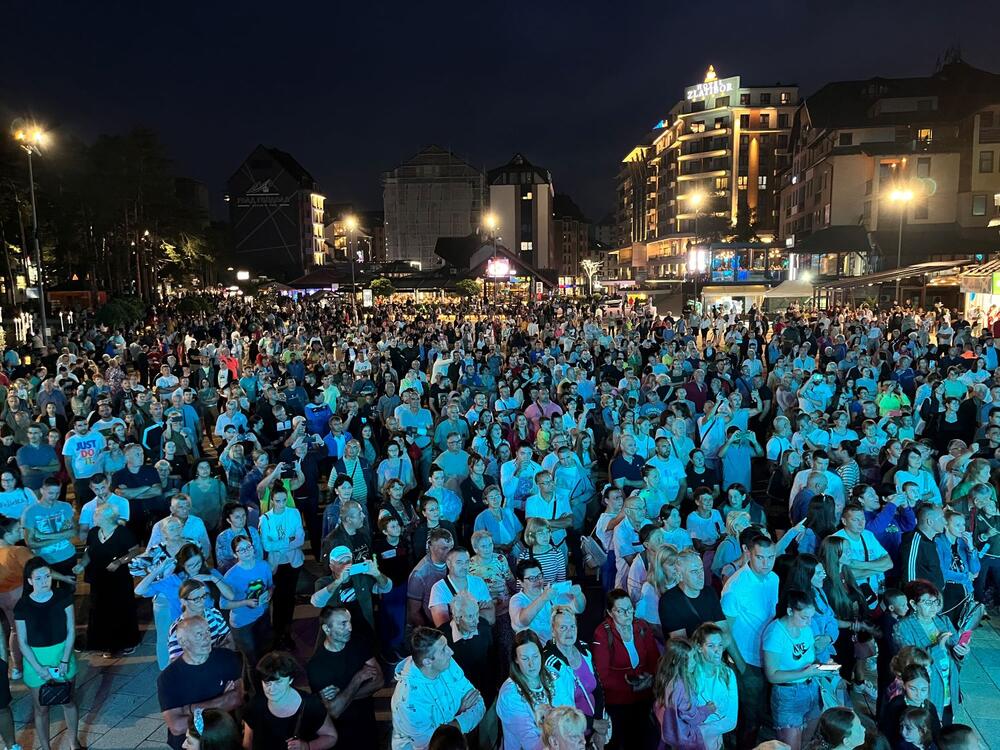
{"x":978,"y":284}
{"x":718,"y":87}
{"x":263,"y":193}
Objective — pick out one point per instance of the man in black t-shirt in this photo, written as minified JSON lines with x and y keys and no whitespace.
{"x":690,"y":603}
{"x":470,"y":638}
{"x":202,"y":677}
{"x":344,"y":673}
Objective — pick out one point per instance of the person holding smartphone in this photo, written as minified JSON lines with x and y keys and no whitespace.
{"x":791,"y":668}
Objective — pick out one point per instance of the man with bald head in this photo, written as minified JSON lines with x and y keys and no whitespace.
{"x":202,"y":677}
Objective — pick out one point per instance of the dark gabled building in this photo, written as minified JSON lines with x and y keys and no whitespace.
{"x":521,"y":195}
{"x":276,"y":212}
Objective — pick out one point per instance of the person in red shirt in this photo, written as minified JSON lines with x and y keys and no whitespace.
{"x":625,"y":657}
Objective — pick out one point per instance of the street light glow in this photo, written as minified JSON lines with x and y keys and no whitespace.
{"x":31,"y":137}
{"x":490,"y":221}
{"x":901,"y":196}
{"x":351,"y":222}
{"x":696,"y":199}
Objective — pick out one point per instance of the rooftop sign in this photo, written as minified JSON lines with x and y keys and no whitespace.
{"x":715,"y":87}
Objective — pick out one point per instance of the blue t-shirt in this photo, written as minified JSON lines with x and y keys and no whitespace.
{"x":29,"y":456}
{"x":248,"y":584}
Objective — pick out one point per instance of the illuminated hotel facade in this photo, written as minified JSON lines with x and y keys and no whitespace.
{"x":713,"y":160}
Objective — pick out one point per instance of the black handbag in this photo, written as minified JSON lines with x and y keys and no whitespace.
{"x":55,"y":693}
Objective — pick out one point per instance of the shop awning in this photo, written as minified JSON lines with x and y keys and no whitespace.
{"x":883,"y":277}
{"x":734,"y":290}
{"x":791,"y":289}
{"x":843,"y":238}
{"x":988,"y":268}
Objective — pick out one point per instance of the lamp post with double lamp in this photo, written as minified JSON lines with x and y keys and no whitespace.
{"x":903,"y":198}
{"x":492,"y":225}
{"x":351,"y":222}
{"x":31,"y":139}
{"x":695,"y":200}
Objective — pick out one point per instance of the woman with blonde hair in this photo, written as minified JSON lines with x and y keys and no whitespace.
{"x":661,"y":577}
{"x":729,"y":552}
{"x":563,"y":728}
{"x":538,"y":545}
{"x":679,"y":715}
{"x":567,"y":651}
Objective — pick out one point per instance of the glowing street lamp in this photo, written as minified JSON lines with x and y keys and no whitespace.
{"x":31,"y":138}
{"x":902,"y":196}
{"x":351,"y":222}
{"x":491,"y":222}
{"x":695,"y":200}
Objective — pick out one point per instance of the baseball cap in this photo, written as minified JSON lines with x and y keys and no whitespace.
{"x":341,"y":554}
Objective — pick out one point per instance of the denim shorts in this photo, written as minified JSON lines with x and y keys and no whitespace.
{"x":794,"y":705}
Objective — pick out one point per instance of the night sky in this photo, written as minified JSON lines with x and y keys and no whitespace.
{"x":353,"y":89}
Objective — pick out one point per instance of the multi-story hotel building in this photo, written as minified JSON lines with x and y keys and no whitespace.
{"x":890,"y":172}
{"x":712,"y":161}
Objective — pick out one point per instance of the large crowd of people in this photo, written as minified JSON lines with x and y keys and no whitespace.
{"x":539,"y":524}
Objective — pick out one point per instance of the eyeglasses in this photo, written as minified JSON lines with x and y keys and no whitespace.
{"x":532,"y":579}
{"x":198,"y":598}
{"x":244,"y":548}
{"x":622,"y":610}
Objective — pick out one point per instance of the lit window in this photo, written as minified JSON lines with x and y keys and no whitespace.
{"x":741,"y":182}
{"x":762,"y":181}
{"x":784,"y":97}
{"x":526,"y":246}
{"x":979,"y":205}
{"x":925,"y":135}
{"x":527,"y":196}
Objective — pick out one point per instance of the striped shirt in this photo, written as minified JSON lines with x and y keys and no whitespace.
{"x":217,"y":627}
{"x":553,"y":562}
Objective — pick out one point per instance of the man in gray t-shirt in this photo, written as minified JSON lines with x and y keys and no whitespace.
{"x":49,"y":527}
{"x":431,"y":569}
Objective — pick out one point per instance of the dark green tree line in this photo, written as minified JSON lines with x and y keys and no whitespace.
{"x":110,"y":213}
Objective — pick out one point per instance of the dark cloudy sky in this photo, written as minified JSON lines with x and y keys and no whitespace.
{"x":352,"y":89}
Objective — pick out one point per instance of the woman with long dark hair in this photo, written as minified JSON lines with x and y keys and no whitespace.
{"x":530,"y":686}
{"x":837,"y":729}
{"x":846,"y":600}
{"x":820,"y":522}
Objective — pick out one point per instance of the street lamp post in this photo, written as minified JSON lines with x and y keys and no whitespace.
{"x":696,"y":200}
{"x":352,"y":227}
{"x":492,"y":224}
{"x":31,"y":140}
{"x":903,"y":198}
